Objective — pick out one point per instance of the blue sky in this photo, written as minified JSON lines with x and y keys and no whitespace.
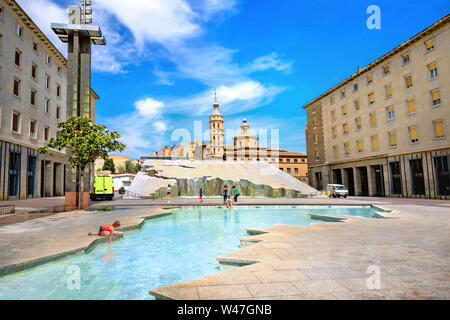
{"x":266,"y":58}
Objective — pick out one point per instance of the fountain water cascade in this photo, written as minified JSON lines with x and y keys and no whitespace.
{"x":253,"y":179}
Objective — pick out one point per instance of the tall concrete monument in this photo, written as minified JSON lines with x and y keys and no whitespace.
{"x":80,"y":35}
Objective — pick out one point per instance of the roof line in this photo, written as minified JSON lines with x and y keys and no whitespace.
{"x":371,"y":65}
{"x":17,"y":9}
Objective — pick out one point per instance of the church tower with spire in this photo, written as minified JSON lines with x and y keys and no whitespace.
{"x":216,"y":132}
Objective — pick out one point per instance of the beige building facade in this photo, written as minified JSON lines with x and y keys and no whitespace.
{"x":385,"y":130}
{"x":32,"y":102}
{"x":33,"y":82}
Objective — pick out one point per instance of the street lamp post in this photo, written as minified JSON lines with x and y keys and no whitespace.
{"x":79,"y":34}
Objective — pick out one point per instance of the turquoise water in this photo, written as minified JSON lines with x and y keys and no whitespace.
{"x":165,"y":250}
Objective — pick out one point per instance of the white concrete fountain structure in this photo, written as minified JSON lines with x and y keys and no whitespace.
{"x":255,"y":179}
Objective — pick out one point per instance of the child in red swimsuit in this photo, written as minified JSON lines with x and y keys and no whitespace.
{"x":103,"y":230}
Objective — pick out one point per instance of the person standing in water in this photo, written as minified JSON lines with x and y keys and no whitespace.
{"x":169,"y":191}
{"x":201,"y":194}
{"x":225,"y":194}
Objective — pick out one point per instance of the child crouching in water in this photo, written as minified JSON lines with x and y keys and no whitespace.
{"x":103,"y":230}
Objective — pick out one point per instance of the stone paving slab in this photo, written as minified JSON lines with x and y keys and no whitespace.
{"x":411,"y":248}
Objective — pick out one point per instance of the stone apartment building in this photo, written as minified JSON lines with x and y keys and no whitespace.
{"x":385,"y":130}
{"x":32,"y":101}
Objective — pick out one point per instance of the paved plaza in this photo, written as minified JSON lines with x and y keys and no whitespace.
{"x":410,"y":249}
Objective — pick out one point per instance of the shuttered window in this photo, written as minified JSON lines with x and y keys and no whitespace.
{"x":334,"y":132}
{"x":405,"y":58}
{"x":438,"y":129}
{"x":356,"y":104}
{"x":408,"y":81}
{"x":358,"y":123}
{"x":393,"y":139}
{"x":411,"y":107}
{"x":436,"y":97}
{"x":374,"y":143}
{"x":344,"y":110}
{"x":369,"y":79}
{"x":386,"y":69}
{"x":360,"y":146}
{"x":429,"y":45}
{"x":371,"y":97}
{"x":333,"y":115}
{"x":432,"y":70}
{"x":390,"y":112}
{"x":373,"y":119}
{"x":345,"y":126}
{"x":346,"y":148}
{"x":388,"y":90}
{"x":413,"y":134}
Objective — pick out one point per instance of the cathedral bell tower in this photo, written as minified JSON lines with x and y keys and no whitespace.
{"x":216,"y":132}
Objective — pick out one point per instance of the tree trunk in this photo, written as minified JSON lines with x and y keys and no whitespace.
{"x":81,"y":187}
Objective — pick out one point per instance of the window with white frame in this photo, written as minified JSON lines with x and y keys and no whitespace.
{"x":17,"y":57}
{"x":15,"y":122}
{"x":16,"y":87}
{"x":46,"y":133}
{"x":32,"y":129}
{"x":429,"y":45}
{"x":19,"y":30}
{"x":390,"y":113}
{"x":435,"y":97}
{"x":432,"y":70}
{"x":406,"y":58}
{"x":47,"y":106}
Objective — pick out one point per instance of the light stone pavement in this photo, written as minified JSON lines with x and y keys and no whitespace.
{"x":411,"y":248}
{"x":322,"y":261}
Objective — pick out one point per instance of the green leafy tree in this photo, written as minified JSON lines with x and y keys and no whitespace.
{"x":109,"y":165}
{"x":129,"y":166}
{"x":120,"y":169}
{"x":87,"y":142}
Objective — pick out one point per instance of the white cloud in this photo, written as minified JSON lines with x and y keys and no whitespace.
{"x":240,"y":97}
{"x":155,"y":21}
{"x":163,"y":77}
{"x":212,"y":7}
{"x":160,"y":126}
{"x":271,"y":61}
{"x":148,"y":107}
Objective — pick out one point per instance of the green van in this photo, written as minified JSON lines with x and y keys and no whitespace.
{"x":103,"y":188}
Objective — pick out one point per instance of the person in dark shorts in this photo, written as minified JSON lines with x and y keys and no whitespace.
{"x":225,"y":194}
{"x":169,"y":191}
{"x":235,"y":193}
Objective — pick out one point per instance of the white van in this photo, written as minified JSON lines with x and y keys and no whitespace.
{"x":337,"y":190}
